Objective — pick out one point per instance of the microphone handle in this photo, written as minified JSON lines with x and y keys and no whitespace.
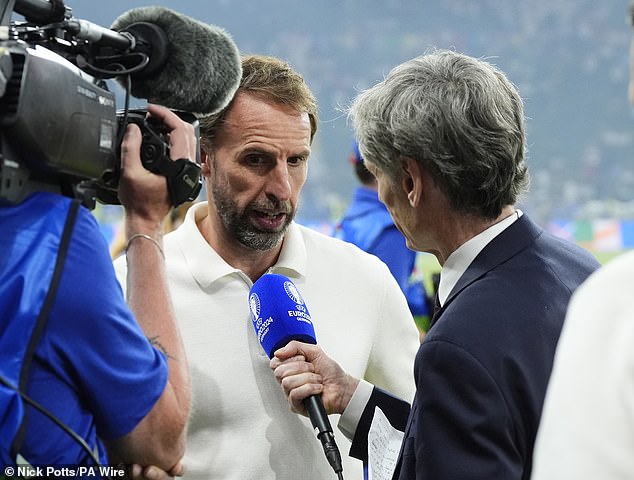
{"x":317,"y":414}
{"x":319,"y":419}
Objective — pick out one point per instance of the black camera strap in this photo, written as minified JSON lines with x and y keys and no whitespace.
{"x":42,"y":318}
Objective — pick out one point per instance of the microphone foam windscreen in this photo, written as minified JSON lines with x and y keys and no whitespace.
{"x":203,"y":66}
{"x":279,"y":313}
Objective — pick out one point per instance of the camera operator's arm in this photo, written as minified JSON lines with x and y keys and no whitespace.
{"x":159,"y":439}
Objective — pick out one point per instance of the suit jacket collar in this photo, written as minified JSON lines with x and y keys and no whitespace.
{"x":508,"y":243}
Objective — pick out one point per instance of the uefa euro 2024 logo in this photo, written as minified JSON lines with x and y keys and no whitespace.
{"x":254,"y":305}
{"x":293,"y":293}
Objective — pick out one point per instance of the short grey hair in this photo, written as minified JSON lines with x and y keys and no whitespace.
{"x":459,"y":117}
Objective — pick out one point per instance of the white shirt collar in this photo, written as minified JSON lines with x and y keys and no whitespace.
{"x":461,"y":258}
{"x":207,"y":266}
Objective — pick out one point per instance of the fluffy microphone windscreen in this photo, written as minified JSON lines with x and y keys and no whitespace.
{"x":202,"y":70}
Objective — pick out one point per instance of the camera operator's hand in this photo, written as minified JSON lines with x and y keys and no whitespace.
{"x":141,"y":192}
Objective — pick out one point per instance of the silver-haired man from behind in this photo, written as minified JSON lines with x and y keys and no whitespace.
{"x":444,"y":135}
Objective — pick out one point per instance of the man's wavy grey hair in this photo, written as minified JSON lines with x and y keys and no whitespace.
{"x":459,"y":117}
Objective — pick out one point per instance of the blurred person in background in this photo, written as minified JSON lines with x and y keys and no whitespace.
{"x":368,"y":224}
{"x":255,"y":157}
{"x":444,"y":136}
{"x":587,"y":427}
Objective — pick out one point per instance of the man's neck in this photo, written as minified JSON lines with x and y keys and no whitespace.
{"x":464,"y":229}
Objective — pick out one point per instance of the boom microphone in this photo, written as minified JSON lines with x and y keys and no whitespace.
{"x":279,"y":315}
{"x":194,"y":67}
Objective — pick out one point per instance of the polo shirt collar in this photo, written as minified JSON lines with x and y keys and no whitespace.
{"x":207,"y":266}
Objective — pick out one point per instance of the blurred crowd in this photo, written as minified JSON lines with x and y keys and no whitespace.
{"x":565,"y":57}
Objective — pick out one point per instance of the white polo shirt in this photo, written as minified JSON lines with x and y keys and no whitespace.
{"x":241,"y":426}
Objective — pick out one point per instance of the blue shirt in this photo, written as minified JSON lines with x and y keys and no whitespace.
{"x":94,"y":368}
{"x":367,"y":223}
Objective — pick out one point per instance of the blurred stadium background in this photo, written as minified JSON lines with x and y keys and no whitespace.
{"x":569,"y":59}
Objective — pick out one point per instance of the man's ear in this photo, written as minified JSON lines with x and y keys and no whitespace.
{"x":205,"y":168}
{"x":412,"y":182}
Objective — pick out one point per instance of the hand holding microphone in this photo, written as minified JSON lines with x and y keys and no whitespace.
{"x":280,"y":316}
{"x":303,"y":370}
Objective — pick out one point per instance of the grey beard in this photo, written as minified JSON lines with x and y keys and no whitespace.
{"x":238,"y":226}
{"x":258,"y":240}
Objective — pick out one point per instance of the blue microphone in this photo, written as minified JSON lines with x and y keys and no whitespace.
{"x":279,"y":315}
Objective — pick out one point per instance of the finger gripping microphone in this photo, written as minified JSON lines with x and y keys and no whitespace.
{"x":193,"y":66}
{"x":279,"y":315}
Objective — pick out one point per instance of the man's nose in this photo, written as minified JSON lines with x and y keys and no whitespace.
{"x":279,"y":182}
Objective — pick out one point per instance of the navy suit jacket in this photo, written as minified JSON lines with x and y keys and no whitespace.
{"x":481,"y":372}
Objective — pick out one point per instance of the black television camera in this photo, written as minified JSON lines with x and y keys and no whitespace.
{"x":59,"y":127}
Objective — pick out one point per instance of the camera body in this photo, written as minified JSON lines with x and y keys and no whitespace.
{"x":183,"y":175}
{"x":59,"y":127}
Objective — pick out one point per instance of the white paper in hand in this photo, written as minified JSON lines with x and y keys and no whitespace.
{"x":384,"y":445}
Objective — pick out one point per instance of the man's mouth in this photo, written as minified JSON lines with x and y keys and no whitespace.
{"x":272,"y":221}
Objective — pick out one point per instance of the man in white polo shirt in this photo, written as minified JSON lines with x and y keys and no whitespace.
{"x":255,"y":162}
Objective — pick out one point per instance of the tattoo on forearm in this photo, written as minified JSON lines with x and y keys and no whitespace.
{"x":154,"y":341}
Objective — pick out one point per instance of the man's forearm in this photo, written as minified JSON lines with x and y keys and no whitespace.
{"x":149,"y":299}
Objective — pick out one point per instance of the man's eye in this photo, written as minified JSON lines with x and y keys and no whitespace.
{"x":255,"y":159}
{"x":296,"y":160}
